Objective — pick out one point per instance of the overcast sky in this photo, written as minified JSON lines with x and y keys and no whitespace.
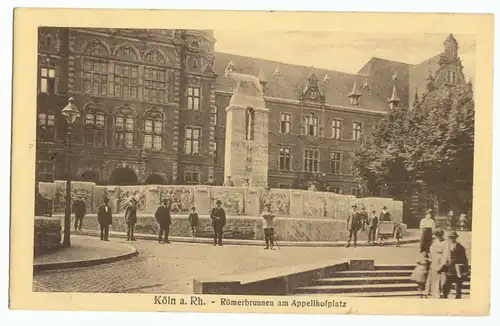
{"x":340,"y":51}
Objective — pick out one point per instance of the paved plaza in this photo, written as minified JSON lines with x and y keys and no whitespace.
{"x":171,"y":268}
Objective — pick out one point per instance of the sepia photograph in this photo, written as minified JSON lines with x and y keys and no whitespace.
{"x":319,"y":166}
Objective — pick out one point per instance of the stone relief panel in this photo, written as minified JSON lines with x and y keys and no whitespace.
{"x":85,"y":189}
{"x":233,"y":199}
{"x":314,"y":204}
{"x":139,"y":192}
{"x":338,"y":207}
{"x":279,"y":200}
{"x":101,"y":192}
{"x":182,"y":197}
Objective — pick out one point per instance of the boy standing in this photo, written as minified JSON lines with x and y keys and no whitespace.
{"x":193,"y":221}
{"x":267,"y":226}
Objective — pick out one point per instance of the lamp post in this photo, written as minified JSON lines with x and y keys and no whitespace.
{"x":71,"y":113}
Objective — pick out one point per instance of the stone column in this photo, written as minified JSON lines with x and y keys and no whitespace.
{"x":246,"y":158}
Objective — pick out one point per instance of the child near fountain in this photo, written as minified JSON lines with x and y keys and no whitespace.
{"x":193,"y":221}
{"x":420,"y":273}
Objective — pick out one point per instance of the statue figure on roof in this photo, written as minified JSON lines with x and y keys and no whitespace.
{"x":245,"y":84}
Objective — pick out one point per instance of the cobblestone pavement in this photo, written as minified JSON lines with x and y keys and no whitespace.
{"x":170,"y":268}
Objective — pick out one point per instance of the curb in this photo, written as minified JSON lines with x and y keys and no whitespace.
{"x":85,"y":263}
{"x":140,"y":236}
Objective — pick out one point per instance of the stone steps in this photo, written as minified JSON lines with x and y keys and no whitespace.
{"x":383,"y":281}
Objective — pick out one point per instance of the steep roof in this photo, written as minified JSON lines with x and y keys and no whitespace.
{"x":419,"y":74}
{"x":292,"y":78}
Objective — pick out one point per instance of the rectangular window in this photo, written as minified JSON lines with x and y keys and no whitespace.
{"x":47,"y":80}
{"x":126,"y":81}
{"x":95,"y":133}
{"x":311,"y":125}
{"x":155,"y":85}
{"x":46,"y":127}
{"x":285,"y":159}
{"x":95,"y":77}
{"x":153,"y":131}
{"x":192,"y":140}
{"x":356,"y":192}
{"x":45,"y":167}
{"x":356,"y":130}
{"x":311,"y":160}
{"x":193,"y":98}
{"x":285,"y":123}
{"x":124,"y":132}
{"x":336,"y":163}
{"x":192,"y":177}
{"x":336,"y":128}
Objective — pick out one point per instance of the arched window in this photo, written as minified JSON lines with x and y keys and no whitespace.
{"x":155,"y":58}
{"x":96,"y":49}
{"x":95,"y":125}
{"x":153,"y":131}
{"x":195,"y":44}
{"x":126,"y":53}
{"x":124,"y":127}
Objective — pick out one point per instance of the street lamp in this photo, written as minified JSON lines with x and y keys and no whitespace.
{"x":71,"y":113}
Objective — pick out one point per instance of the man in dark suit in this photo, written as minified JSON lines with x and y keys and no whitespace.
{"x":353,"y":226}
{"x":164,"y":220}
{"x":455,"y":266}
{"x":218,"y":217}
{"x":105,"y":219}
{"x":79,"y":210}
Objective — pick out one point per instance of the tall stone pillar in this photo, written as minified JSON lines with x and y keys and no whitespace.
{"x":246,"y":152}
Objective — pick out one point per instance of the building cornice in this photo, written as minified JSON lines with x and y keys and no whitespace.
{"x":315,"y":107}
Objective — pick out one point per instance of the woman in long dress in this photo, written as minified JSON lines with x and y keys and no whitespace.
{"x":435,"y":278}
{"x":427,"y":226}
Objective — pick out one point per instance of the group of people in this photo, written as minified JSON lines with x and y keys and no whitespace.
{"x":360,"y":221}
{"x":441,"y":265}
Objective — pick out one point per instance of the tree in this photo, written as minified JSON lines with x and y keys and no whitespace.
{"x":431,"y":145}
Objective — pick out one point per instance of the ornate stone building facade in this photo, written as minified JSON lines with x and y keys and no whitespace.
{"x":153,"y":107}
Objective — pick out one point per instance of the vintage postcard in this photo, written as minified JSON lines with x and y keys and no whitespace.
{"x":266,"y":162}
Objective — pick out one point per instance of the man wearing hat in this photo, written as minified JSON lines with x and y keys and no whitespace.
{"x":353,"y":226}
{"x":455,"y":266}
{"x":105,"y":219}
{"x":385,"y":216}
{"x":218,"y":216}
{"x":164,"y":220}
{"x":79,"y":209}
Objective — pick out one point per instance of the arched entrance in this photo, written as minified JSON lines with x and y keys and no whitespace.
{"x":123,"y":177}
{"x":155,"y":179}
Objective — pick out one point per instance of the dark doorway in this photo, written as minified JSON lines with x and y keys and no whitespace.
{"x":123,"y":177}
{"x":155,"y":179}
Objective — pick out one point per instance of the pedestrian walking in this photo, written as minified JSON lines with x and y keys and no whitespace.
{"x":420,"y":273}
{"x":164,"y":220}
{"x":455,"y":266}
{"x":353,"y":226}
{"x":193,"y":221}
{"x":372,"y":227}
{"x":80,"y":210}
{"x":427,"y":226}
{"x":268,"y":226}
{"x":105,"y":219}
{"x":218,"y":216}
{"x":131,"y":218}
{"x":435,"y":280}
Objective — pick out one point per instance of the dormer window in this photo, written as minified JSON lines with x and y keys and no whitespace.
{"x":354,"y":95}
